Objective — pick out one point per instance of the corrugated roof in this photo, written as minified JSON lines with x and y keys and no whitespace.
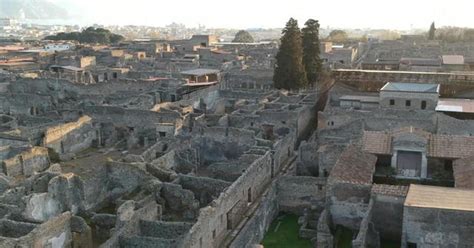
{"x":411,"y":87}
{"x":422,"y":196}
{"x":453,"y":59}
{"x":200,"y":72}
{"x":360,"y":98}
{"x":455,"y":105}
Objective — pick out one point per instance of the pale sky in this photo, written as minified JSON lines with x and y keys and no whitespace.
{"x":398,"y":14}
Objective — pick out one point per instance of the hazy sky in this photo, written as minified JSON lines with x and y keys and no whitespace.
{"x":398,"y":14}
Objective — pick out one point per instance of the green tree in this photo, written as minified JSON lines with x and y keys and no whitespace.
{"x":432,"y":31}
{"x":89,"y":35}
{"x":289,"y":69}
{"x":243,"y":37}
{"x":311,"y":50}
{"x":338,"y":36}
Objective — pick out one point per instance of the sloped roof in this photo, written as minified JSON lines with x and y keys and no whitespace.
{"x":353,"y":166}
{"x":423,"y":196}
{"x":439,"y":146}
{"x":451,"y":146}
{"x":463,"y":171}
{"x":377,"y":142}
{"x":411,"y":87}
{"x":390,"y":190}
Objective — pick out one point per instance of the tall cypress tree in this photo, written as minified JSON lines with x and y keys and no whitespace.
{"x":432,"y":32}
{"x":311,"y":50}
{"x":289,"y":70}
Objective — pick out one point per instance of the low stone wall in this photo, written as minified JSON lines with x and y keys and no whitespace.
{"x":53,"y":233}
{"x":27,"y":162}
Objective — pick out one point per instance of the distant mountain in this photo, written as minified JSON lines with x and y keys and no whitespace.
{"x":32,"y":9}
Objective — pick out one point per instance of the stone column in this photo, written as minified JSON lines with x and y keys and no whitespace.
{"x":424,"y":165}
{"x":394,"y":159}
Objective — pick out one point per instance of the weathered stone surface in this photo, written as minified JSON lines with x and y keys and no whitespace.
{"x":41,"y":207}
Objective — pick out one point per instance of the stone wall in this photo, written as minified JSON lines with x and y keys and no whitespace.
{"x":297,"y":193}
{"x":130,"y":117}
{"x":387,"y":216}
{"x":400,"y":98}
{"x":430,"y":227}
{"x":27,"y":162}
{"x":348,"y":204}
{"x":257,"y":226}
{"x":53,"y":233}
{"x":212,"y":223}
{"x":71,"y":137}
{"x":367,"y":236}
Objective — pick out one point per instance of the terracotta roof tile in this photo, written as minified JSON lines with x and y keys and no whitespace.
{"x":377,"y":142}
{"x":463,"y":170}
{"x":440,"y":146}
{"x":451,"y":146}
{"x":353,"y":166}
{"x":390,"y":190}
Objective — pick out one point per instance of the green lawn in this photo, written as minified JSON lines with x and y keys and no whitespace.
{"x":286,"y":236}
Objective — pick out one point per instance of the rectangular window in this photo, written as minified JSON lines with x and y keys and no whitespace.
{"x":408,"y":103}
{"x":423,"y":104}
{"x":392,"y":102}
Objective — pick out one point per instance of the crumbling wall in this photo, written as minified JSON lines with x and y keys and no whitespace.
{"x":257,"y":226}
{"x":27,"y":163}
{"x":54,"y":233}
{"x":430,"y":227}
{"x":283,"y":150}
{"x":348,"y":203}
{"x":297,"y":193}
{"x":387,"y":216}
{"x":307,"y":161}
{"x":213,"y":220}
{"x":130,"y":117}
{"x":71,"y":137}
{"x":367,"y":236}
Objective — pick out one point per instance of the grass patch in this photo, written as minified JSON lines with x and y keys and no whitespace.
{"x":286,"y":235}
{"x":389,"y":244}
{"x":343,"y":237}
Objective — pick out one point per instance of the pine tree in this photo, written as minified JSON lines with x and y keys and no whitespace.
{"x":289,"y":70}
{"x":311,"y":50}
{"x":432,"y":32}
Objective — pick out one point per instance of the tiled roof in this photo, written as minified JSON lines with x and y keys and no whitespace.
{"x":463,"y":170}
{"x":353,"y":166}
{"x":422,"y":196}
{"x":390,"y":190}
{"x":377,"y":142}
{"x":440,"y":146}
{"x":451,"y":146}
